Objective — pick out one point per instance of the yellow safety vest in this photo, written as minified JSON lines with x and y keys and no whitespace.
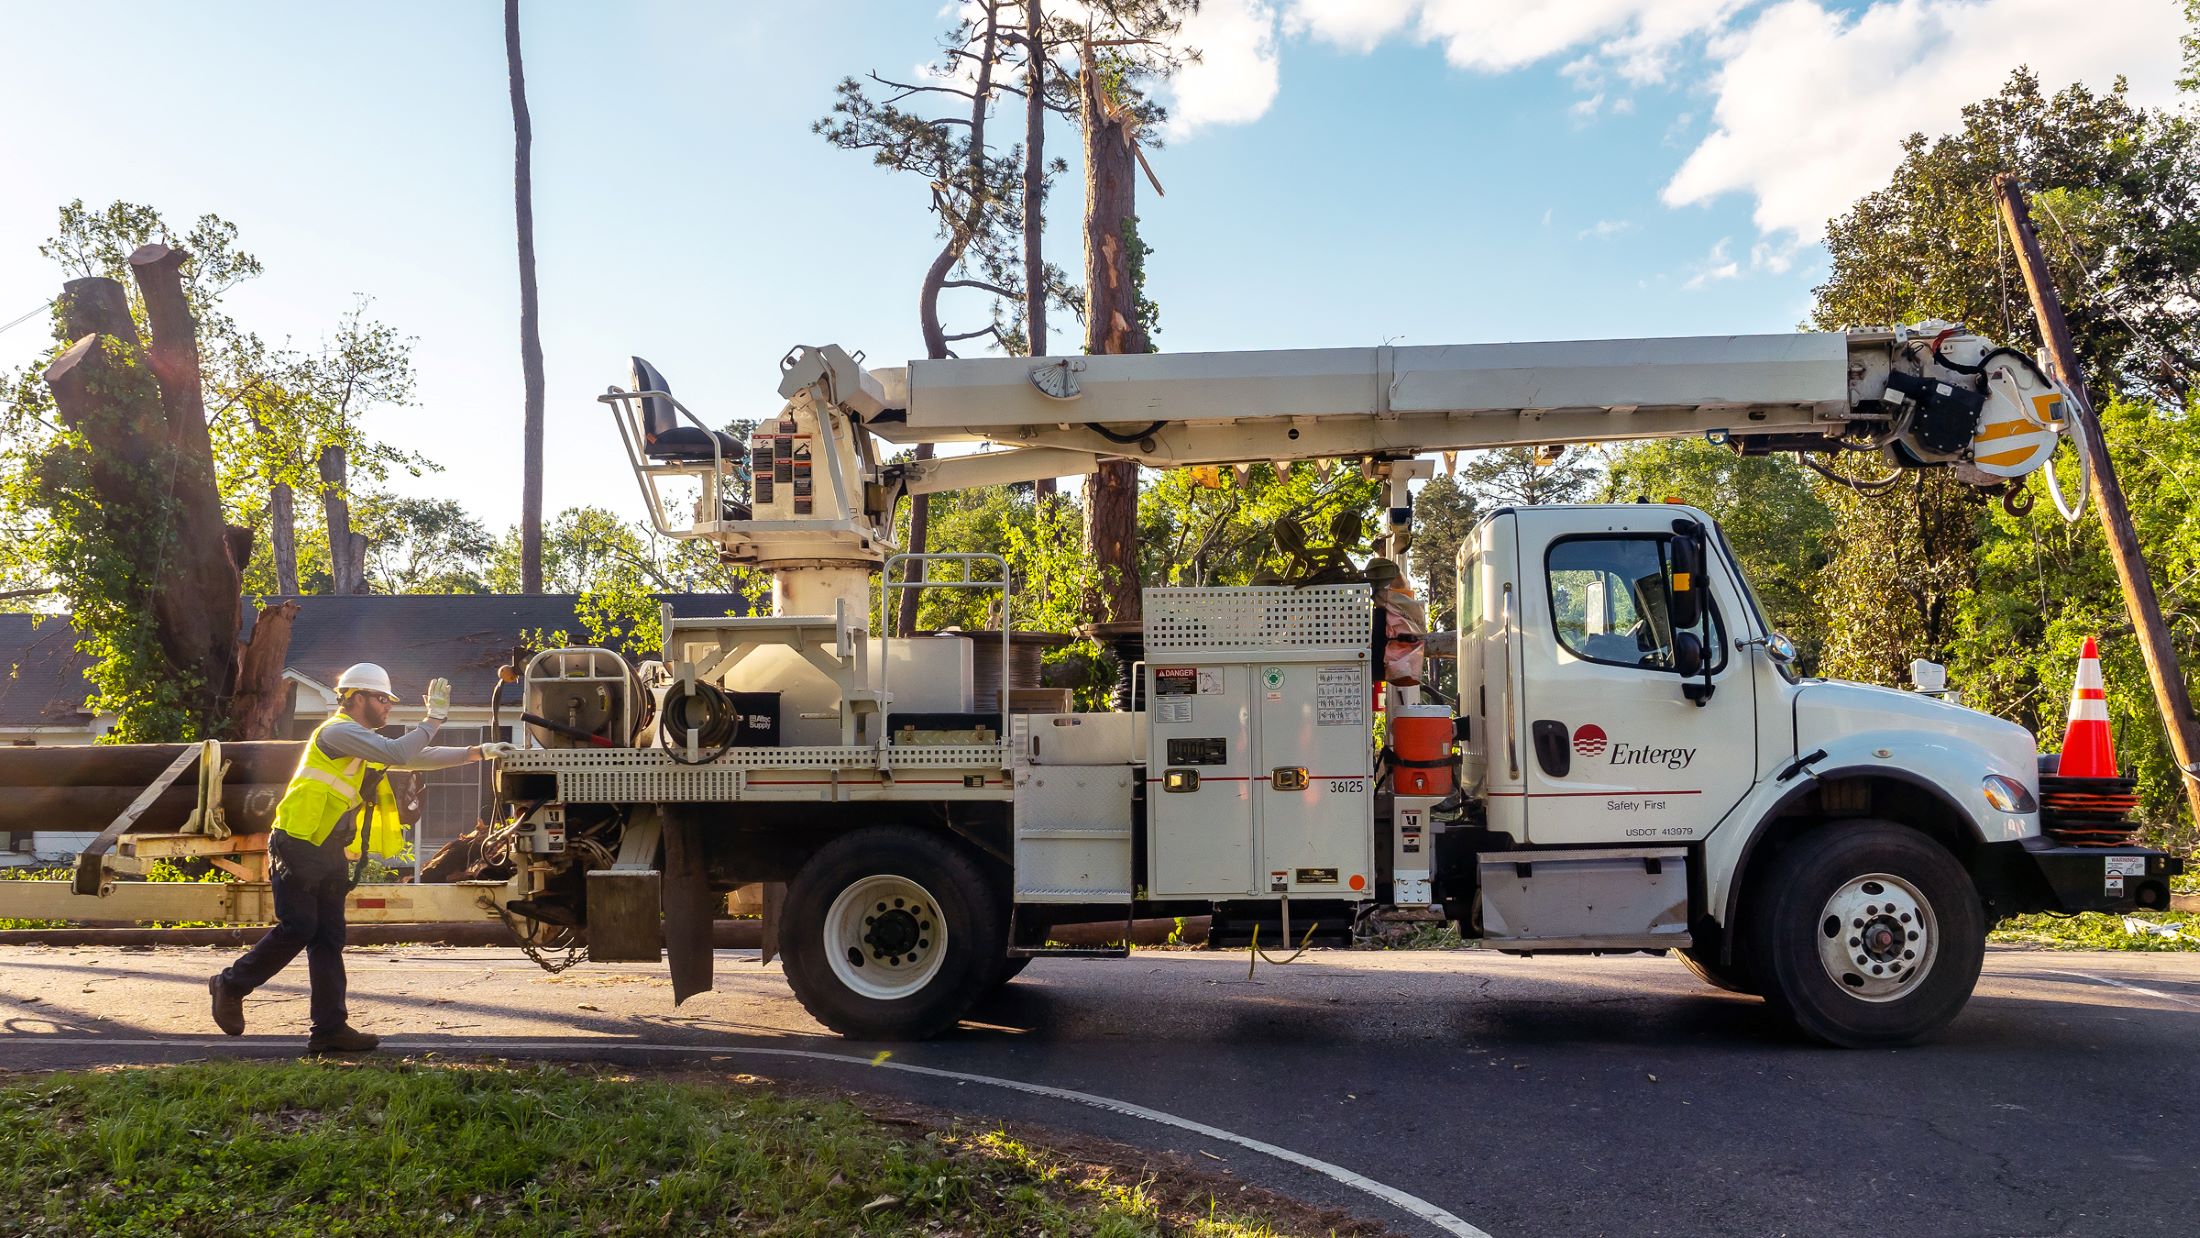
{"x":325,"y":788}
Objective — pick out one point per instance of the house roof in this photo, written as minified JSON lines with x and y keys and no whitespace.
{"x":44,"y":682}
{"x":463,"y":637}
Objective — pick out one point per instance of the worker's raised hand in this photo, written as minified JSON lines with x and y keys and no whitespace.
{"x":495,"y":749}
{"x":439,"y":699}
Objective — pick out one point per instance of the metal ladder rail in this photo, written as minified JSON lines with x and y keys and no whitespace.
{"x":888,"y":587}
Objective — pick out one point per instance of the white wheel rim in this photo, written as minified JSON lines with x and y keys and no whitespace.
{"x":885,"y":937}
{"x":1877,"y":937}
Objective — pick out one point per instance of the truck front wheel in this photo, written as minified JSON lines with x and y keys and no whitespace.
{"x":1868,"y":934}
{"x":890,"y":934}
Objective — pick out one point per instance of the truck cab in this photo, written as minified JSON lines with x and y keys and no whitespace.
{"x":1655,"y":761}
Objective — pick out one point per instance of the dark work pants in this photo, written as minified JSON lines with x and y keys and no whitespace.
{"x":309,"y":916}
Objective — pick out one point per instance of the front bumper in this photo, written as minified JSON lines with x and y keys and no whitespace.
{"x":2073,"y":879}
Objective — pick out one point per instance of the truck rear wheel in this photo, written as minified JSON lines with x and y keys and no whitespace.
{"x":1868,"y":934}
{"x":890,"y":934}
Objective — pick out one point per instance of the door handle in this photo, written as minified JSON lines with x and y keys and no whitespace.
{"x":1554,"y":746}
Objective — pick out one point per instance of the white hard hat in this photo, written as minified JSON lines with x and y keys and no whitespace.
{"x":365,"y":677}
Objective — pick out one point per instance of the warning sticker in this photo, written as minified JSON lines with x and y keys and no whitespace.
{"x":1210,"y":681}
{"x":1175,"y":680}
{"x":2126,"y":865}
{"x":1175,"y":709}
{"x":1340,"y":696}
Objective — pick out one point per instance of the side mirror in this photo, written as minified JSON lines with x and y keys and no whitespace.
{"x":1781,"y":648}
{"x":1688,"y":580}
{"x":1687,"y":654}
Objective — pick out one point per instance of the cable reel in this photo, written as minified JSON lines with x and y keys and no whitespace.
{"x":705,"y":710}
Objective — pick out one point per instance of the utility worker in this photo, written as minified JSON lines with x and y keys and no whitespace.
{"x":320,"y":813}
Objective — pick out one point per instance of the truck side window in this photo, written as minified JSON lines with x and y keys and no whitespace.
{"x":1608,"y":600}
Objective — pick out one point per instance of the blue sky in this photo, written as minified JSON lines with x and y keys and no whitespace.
{"x":1341,"y":172}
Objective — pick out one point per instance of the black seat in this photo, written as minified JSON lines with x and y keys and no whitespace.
{"x":663,"y":436}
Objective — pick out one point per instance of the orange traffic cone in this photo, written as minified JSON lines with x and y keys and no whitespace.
{"x":2087,"y":749}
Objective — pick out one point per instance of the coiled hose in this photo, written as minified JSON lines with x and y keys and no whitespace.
{"x":704,"y":709}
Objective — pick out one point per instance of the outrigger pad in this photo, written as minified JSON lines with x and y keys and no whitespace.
{"x":690,"y":912}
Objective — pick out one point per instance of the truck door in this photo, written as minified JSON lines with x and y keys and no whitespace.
{"x":1618,"y":745}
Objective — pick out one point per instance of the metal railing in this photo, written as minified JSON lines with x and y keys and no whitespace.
{"x":634,"y":438}
{"x":887,"y":589}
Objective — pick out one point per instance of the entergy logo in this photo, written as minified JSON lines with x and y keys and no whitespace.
{"x":1589,"y":740}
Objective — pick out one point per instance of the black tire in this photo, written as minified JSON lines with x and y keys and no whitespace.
{"x":1704,"y":963}
{"x":1790,"y":920}
{"x":969,"y":958}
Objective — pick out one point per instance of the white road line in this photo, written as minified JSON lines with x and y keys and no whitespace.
{"x":2167,"y":997}
{"x":1412,"y":1205}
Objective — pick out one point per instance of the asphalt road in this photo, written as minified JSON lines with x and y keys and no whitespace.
{"x":1522,"y":1097}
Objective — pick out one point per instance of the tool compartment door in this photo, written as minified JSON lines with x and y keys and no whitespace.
{"x":1317,"y":833}
{"x":1200,"y":837}
{"x":1612,"y":750}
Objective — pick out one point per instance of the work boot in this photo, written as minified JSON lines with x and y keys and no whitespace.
{"x":228,"y":1005}
{"x":342,"y":1040}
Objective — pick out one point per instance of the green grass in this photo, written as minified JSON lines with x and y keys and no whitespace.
{"x":401,"y":1148}
{"x":2096,"y":931}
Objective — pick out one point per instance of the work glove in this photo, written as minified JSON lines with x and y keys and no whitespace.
{"x":497,"y":749}
{"x":439,"y":699}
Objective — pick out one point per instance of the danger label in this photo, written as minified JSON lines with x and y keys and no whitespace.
{"x":1340,"y":696}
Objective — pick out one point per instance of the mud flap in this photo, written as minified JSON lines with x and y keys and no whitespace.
{"x":775,"y":899}
{"x":690,"y":911}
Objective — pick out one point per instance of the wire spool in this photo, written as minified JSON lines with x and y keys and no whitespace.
{"x":704,"y":709}
{"x":2088,"y":811}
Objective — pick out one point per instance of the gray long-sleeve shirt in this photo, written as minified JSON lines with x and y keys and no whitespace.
{"x":348,"y":739}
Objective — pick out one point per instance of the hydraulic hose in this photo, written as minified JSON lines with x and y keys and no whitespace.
{"x":704,"y":709}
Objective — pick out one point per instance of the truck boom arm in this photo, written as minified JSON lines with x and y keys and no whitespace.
{"x":1825,"y":391}
{"x":1933,"y":395}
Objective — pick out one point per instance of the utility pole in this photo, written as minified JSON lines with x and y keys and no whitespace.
{"x":2170,"y":692}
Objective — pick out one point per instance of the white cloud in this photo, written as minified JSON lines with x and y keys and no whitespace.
{"x":1236,"y":77}
{"x":1718,"y":265}
{"x":1808,"y":100}
{"x":1811,"y":106}
{"x":1491,"y":35}
{"x":1605,"y":229}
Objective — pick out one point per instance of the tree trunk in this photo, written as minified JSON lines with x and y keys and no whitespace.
{"x":282,"y":536}
{"x":256,"y":710}
{"x":347,"y":551}
{"x":1035,"y":180}
{"x":530,"y":337}
{"x":1035,"y":190}
{"x":1111,"y":326}
{"x":150,"y":470}
{"x":196,"y":597}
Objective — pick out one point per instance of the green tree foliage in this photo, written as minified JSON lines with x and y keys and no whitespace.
{"x":1526,"y":476}
{"x":2116,"y":193}
{"x":423,"y":546}
{"x":270,"y":410}
{"x":618,"y":568}
{"x":1928,"y":569}
{"x":1767,"y":506}
{"x":1443,"y":514}
{"x":2043,"y":586}
{"x":1206,"y":527}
